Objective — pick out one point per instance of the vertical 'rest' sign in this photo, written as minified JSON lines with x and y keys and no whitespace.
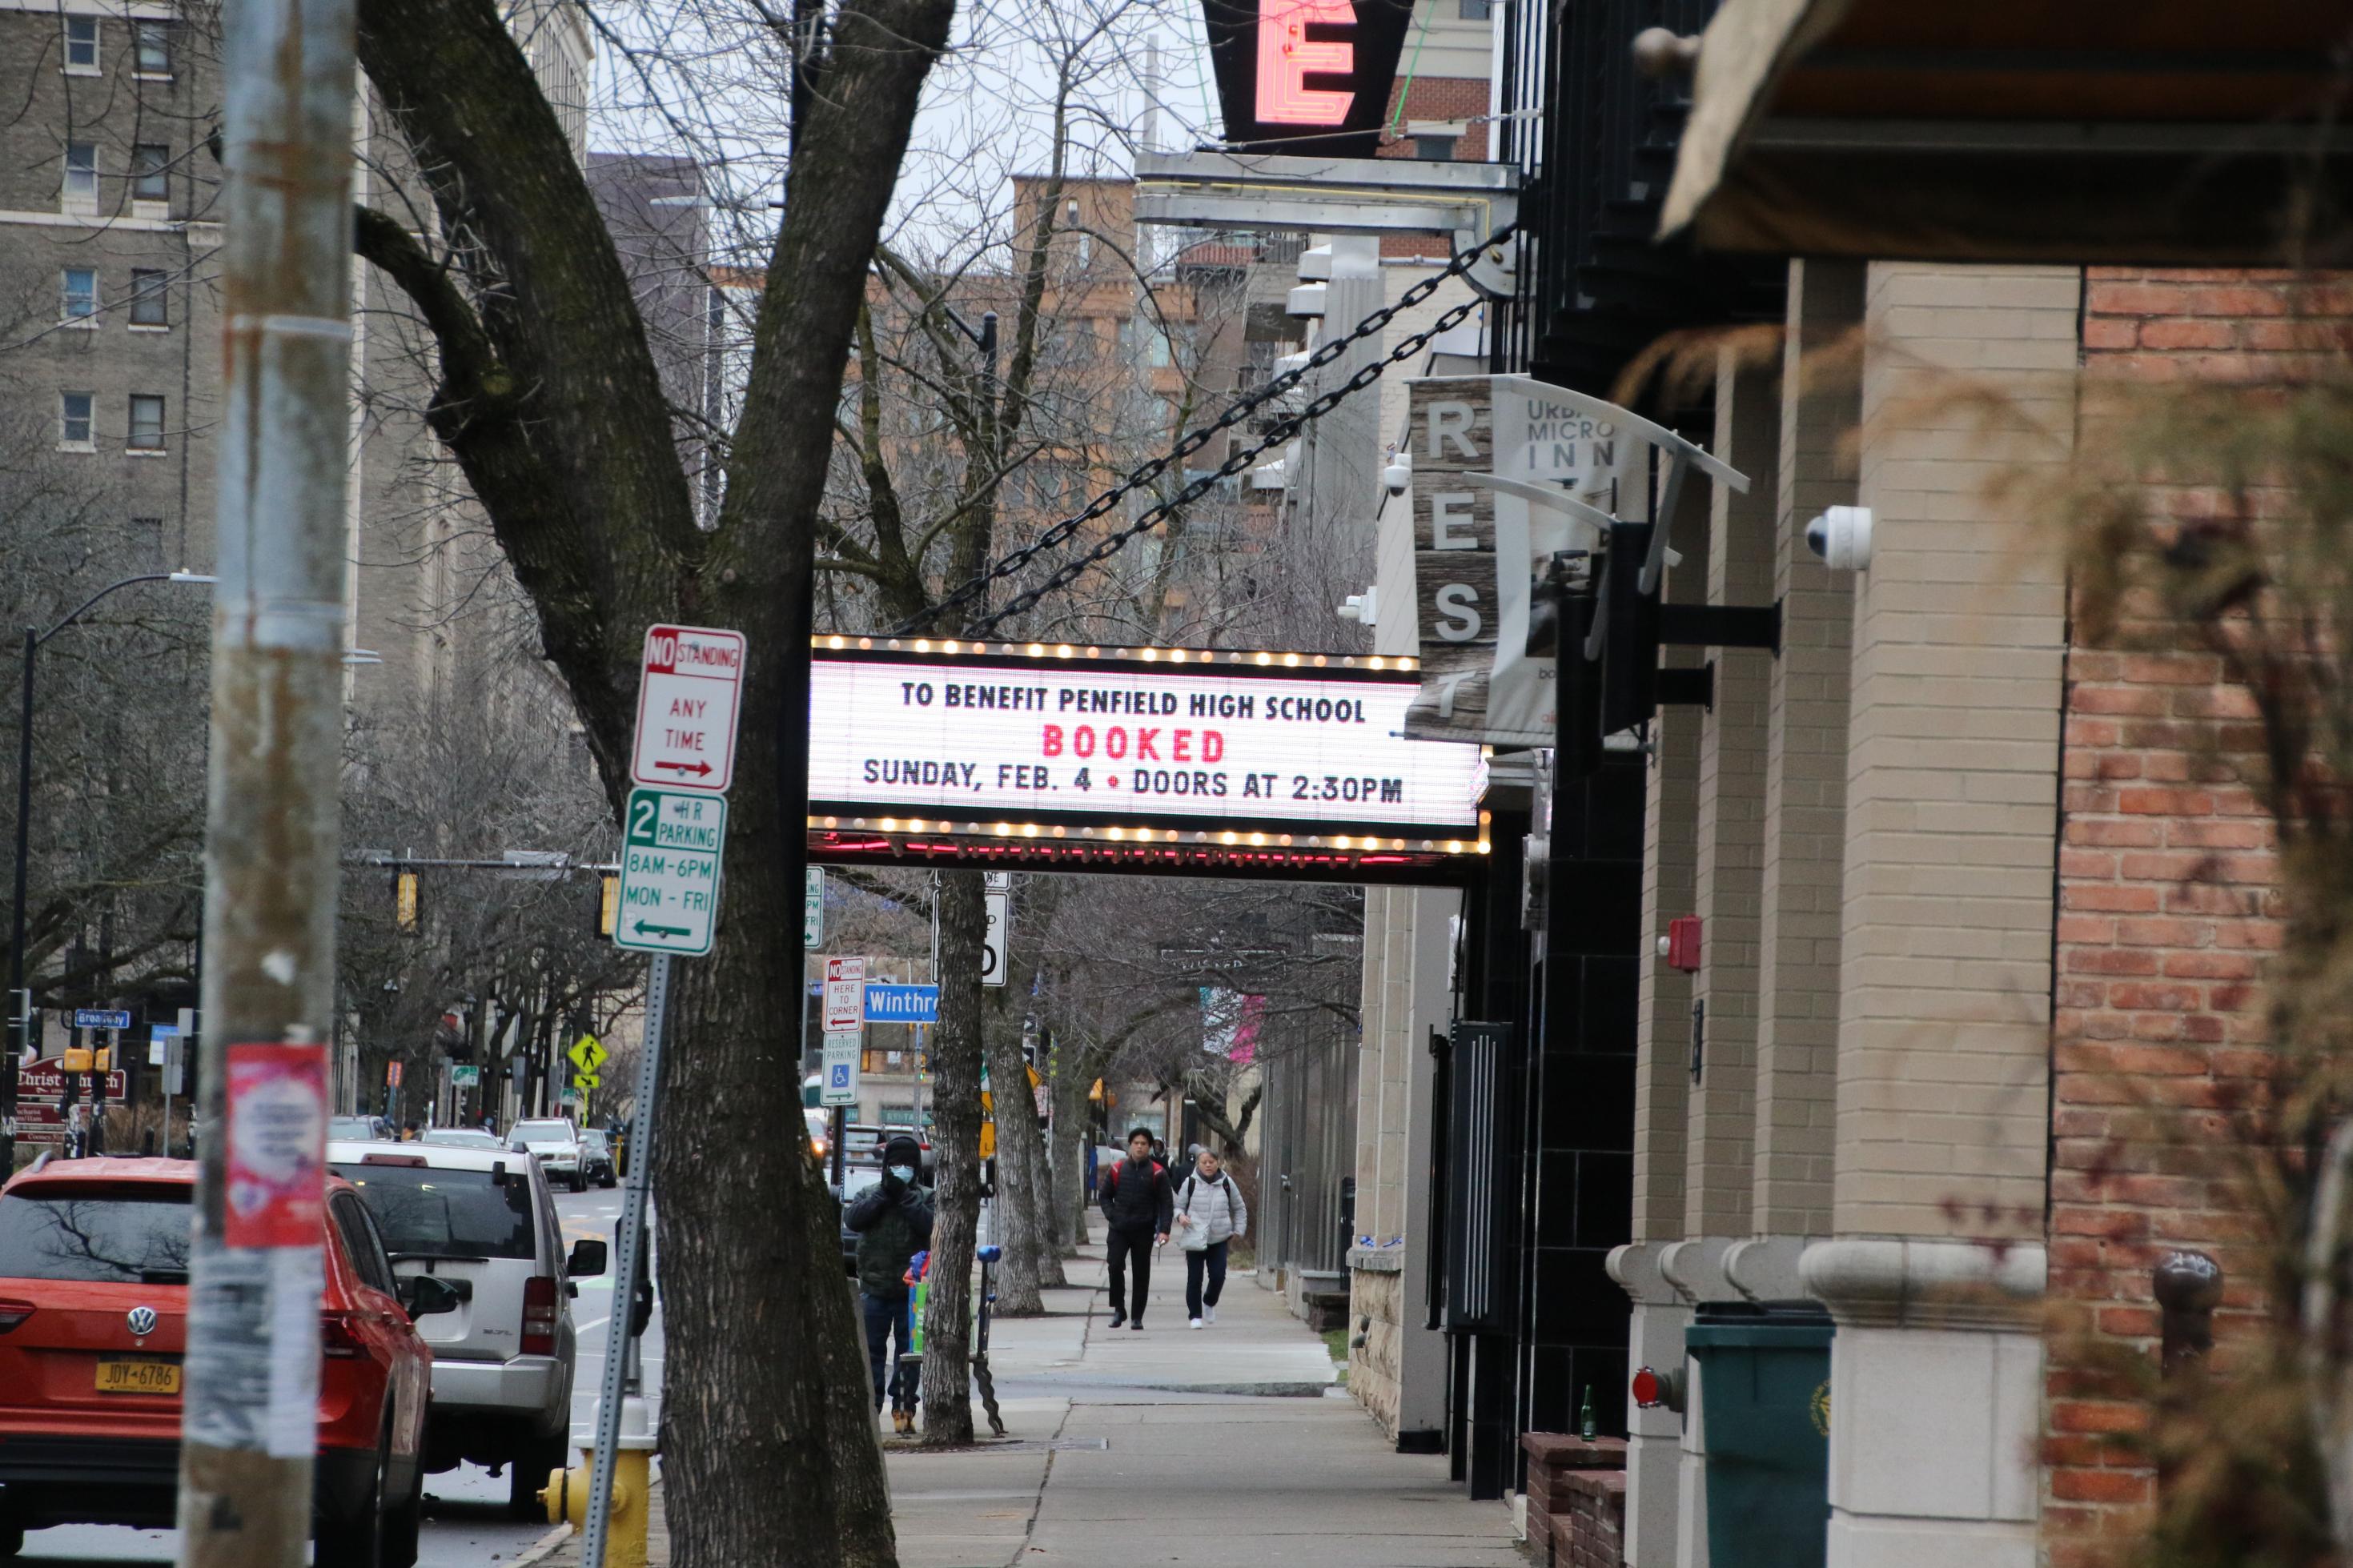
{"x":688,"y":693}
{"x":1455,"y":604}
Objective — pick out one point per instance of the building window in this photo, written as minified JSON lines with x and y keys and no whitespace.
{"x":146,"y":423}
{"x":1477,"y":10}
{"x":81,"y":44}
{"x":1436,"y":149}
{"x":74,"y":419}
{"x":150,"y":177}
{"x":81,"y":177}
{"x":81,"y":294}
{"x":1158,"y":350}
{"x":152,"y":42}
{"x":149,"y":302}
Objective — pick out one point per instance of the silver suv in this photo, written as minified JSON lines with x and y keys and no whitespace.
{"x":483,"y":1221}
{"x":556,"y":1143}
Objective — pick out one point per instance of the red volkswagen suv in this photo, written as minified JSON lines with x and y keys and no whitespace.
{"x":93,"y":1319}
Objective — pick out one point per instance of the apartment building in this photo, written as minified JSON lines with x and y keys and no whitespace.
{"x":109,"y":231}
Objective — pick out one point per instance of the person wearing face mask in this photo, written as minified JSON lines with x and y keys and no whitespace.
{"x":894,"y":1222}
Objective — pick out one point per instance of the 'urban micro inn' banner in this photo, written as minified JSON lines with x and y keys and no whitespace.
{"x":1079,"y":756}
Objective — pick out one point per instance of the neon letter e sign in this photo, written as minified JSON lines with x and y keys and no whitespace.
{"x":1285,"y":57}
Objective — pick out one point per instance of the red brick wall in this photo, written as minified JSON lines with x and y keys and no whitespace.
{"x":1576,"y":1500}
{"x":2167,"y":908}
{"x":1427,"y":99}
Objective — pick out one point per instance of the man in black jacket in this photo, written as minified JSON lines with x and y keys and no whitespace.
{"x":894,"y":1222}
{"x":1137,"y":1205}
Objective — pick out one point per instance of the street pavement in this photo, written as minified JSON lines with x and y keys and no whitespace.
{"x":1232,"y":1444}
{"x":1135,"y":1448}
{"x":466,"y":1524}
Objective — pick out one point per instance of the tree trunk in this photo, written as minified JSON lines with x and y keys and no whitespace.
{"x":956,"y":1137}
{"x":1070,"y":1081}
{"x":554,"y":408}
{"x":1017,"y":1178}
{"x":1043,"y":1214}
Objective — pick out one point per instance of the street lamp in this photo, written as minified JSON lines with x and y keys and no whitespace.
{"x":20,"y":998}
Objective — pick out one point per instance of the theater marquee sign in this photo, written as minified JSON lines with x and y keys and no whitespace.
{"x":1130,"y":759}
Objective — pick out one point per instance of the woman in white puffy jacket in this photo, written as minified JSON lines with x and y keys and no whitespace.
{"x":1210,"y":1213}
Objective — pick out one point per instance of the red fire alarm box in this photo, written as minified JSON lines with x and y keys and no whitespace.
{"x":1682,"y":943}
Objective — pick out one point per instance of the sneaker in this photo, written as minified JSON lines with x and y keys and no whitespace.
{"x":1197,"y":1322}
{"x":1209,"y":1314}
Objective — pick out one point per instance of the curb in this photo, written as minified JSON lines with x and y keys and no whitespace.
{"x":545,"y":1547}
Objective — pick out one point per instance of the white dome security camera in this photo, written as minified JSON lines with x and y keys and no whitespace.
{"x":1841,"y":537}
{"x":1398,"y":474}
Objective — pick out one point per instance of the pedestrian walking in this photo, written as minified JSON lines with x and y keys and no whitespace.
{"x":1137,"y":1207}
{"x":894,"y":1222}
{"x":1209,"y":1212}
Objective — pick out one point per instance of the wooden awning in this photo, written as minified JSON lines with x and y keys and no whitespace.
{"x":2173,"y":131}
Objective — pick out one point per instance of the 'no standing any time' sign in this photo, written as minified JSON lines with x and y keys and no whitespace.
{"x":687,"y":701}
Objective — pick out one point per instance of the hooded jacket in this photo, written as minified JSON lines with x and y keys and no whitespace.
{"x":1134,"y":1197}
{"x":894,"y":1222}
{"x":1214,"y":1203}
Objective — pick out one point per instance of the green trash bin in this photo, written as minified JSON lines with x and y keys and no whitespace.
{"x":1764,"y":1396}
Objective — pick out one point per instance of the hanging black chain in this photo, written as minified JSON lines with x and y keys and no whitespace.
{"x":1283,"y":430}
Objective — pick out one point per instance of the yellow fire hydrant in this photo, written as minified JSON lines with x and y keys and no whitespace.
{"x":567,"y":1493}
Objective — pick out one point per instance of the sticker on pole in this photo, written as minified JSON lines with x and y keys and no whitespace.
{"x":671,"y":845}
{"x":276,"y":1145}
{"x":692,"y":685}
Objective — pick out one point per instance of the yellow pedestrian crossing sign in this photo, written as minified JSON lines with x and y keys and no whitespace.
{"x":588,"y":1053}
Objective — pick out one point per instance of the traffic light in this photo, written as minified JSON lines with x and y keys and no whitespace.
{"x":609,"y":903}
{"x":403,"y":900}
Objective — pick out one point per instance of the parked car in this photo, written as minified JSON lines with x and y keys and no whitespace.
{"x":482,"y":1221}
{"x":93,"y":1324}
{"x":596,"y":1159}
{"x":556,"y":1143}
{"x":362,"y":1127}
{"x":461,"y":1138}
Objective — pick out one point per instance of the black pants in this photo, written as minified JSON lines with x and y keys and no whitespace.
{"x":1119,"y":1247}
{"x":884,"y":1316}
{"x":1211,"y":1258}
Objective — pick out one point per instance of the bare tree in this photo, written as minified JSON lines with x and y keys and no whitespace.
{"x":552,"y":402}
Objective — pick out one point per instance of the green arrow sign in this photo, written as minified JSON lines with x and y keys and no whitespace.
{"x":671,"y":845}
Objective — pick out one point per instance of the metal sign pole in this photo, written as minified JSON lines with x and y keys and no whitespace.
{"x":635,"y":1192}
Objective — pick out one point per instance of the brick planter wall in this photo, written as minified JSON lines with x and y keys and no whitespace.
{"x":1577,"y":1500}
{"x":2168,"y":909}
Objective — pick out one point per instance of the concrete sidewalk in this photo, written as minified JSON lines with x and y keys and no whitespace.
{"x":1229,"y":1444}
{"x":1232,"y":1444}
